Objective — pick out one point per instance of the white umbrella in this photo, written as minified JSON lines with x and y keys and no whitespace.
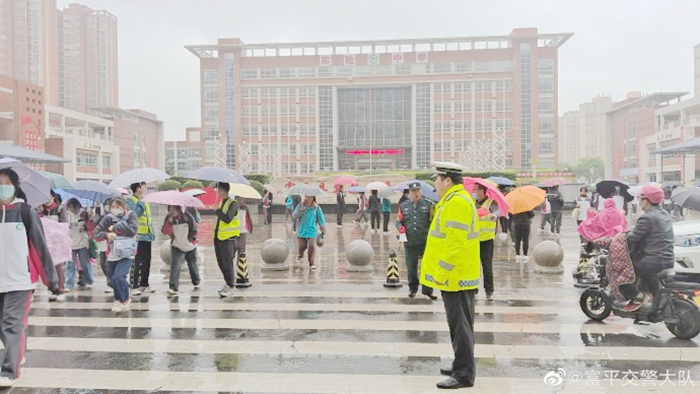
{"x":270,"y":188}
{"x":139,"y":175}
{"x":305,"y":190}
{"x":36,"y":186}
{"x":195,"y":192}
{"x":376,"y":186}
{"x":245,"y":191}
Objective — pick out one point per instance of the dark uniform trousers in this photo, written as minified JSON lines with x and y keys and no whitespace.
{"x":225,"y":252}
{"x":459,"y":307}
{"x":486,"y":253}
{"x":413,"y":253}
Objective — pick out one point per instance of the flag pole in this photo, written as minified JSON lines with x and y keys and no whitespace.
{"x":371,"y":130}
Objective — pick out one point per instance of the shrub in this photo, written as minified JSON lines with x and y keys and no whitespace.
{"x":258,"y":187}
{"x":192,"y":184}
{"x":262,"y":178}
{"x":169,"y":185}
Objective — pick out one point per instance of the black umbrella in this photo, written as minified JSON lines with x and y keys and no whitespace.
{"x":687,"y":197}
{"x":607,"y":188}
{"x":670,"y":184}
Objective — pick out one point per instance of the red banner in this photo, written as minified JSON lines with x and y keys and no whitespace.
{"x":356,"y":152}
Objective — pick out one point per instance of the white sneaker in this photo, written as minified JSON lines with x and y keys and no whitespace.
{"x":67,"y":290}
{"x":61,"y":297}
{"x":147,"y":289}
{"x":6,"y":382}
{"x":526,"y":259}
{"x":136,"y":292}
{"x":53,"y":297}
{"x":172,"y":291}
{"x":197,"y":287}
{"x":126,"y":304}
{"x":117,"y":307}
{"x":518,"y":258}
{"x":109,"y":290}
{"x":226,"y":291}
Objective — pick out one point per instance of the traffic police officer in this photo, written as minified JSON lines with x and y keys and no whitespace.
{"x":414,"y":216}
{"x":488,"y":218}
{"x":226,"y":233}
{"x":451,"y":264}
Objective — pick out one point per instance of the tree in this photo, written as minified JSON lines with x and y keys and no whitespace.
{"x":591,"y":168}
{"x":192,"y":184}
{"x":169,"y":185}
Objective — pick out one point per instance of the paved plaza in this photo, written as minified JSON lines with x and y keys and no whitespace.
{"x":333,"y":331}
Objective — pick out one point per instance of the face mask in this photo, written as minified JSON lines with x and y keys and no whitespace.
{"x":7,"y":192}
{"x":117,"y":211}
{"x":475,"y":196}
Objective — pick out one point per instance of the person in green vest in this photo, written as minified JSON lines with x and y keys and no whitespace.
{"x":226,"y":233}
{"x":146,"y":236}
{"x":488,"y":213}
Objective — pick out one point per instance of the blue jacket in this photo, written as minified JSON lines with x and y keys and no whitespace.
{"x":308,"y":219}
{"x":386,"y":205}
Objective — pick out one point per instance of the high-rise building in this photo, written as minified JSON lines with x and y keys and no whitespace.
{"x":29,"y":45}
{"x":582,"y":132}
{"x":297,"y":108}
{"x":88,"y":64}
{"x":628,"y":124}
{"x":696,"y":74}
{"x":22,"y":113}
{"x":182,"y":157}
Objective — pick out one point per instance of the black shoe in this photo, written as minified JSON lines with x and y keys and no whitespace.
{"x":446,"y":371}
{"x":431,"y":296}
{"x":452,"y":383}
{"x":412,"y":294}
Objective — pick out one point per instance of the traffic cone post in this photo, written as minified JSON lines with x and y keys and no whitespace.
{"x":392,"y":272}
{"x":242,"y":273}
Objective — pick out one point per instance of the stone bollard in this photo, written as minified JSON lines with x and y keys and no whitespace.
{"x":274,"y":253}
{"x":359,"y":254}
{"x":548,"y":256}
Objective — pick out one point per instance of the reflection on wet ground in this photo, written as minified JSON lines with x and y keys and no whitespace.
{"x":296,"y":326}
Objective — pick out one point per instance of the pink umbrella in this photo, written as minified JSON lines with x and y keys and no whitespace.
{"x":345,"y":180}
{"x":492,"y":192}
{"x":173,"y":197}
{"x":556,"y":182}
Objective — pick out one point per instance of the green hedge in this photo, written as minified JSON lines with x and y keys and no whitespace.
{"x":262,"y":178}
{"x":179,"y":179}
{"x":192,"y":184}
{"x":169,"y":185}
{"x":258,"y":187}
{"x":423,"y":176}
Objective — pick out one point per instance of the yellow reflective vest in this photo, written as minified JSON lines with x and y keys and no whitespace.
{"x":451,"y":261}
{"x":228,"y":230}
{"x":145,"y":220}
{"x":487,"y":226}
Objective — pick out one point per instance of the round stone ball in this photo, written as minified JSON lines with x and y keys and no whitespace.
{"x":274,"y":251}
{"x":548,"y":254}
{"x":359,"y":252}
{"x":166,"y":253}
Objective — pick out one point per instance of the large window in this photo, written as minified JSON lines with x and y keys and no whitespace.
{"x":86,"y":159}
{"x":545,"y":67}
{"x":211,"y":76}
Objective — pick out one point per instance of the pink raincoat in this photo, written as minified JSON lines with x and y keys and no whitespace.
{"x":607,"y":223}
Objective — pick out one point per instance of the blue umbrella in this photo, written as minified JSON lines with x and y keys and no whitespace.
{"x":93,"y":190}
{"x":501,"y":181}
{"x":357,"y":189}
{"x":65,"y":196}
{"x":427,"y":189}
{"x":218,"y":174}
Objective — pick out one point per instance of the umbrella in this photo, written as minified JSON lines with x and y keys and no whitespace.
{"x":492,"y":192}
{"x":346,"y":180}
{"x":376,"y":186}
{"x":608,"y":187}
{"x":93,"y":190}
{"x":245,"y":191}
{"x":36,"y":186}
{"x":670,"y":184}
{"x":65,"y":196}
{"x":123,"y":191}
{"x":427,"y":189}
{"x":218,"y":174}
{"x":524,"y":199}
{"x":270,"y":188}
{"x":501,"y":181}
{"x":57,"y":181}
{"x":635,"y":191}
{"x":195,"y":192}
{"x":173,"y":197}
{"x":138,"y":175}
{"x":305,"y":190}
{"x":357,"y":189}
{"x":556,"y":182}
{"x":687,"y":197}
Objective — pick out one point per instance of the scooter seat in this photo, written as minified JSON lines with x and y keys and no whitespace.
{"x":665,"y":274}
{"x":682,"y":285}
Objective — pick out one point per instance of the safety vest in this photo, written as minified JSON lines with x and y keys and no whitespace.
{"x":451,"y":261}
{"x":145,"y":220}
{"x":487,"y":226}
{"x":228,"y":230}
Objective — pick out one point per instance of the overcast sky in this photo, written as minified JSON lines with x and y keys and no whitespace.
{"x":618,"y":46}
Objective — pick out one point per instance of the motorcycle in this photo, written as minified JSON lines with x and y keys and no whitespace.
{"x":676,"y":304}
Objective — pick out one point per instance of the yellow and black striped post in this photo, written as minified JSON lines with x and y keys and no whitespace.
{"x":242,"y":273}
{"x":392,"y":272}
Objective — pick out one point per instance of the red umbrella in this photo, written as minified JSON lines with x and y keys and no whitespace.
{"x":492,"y":192}
{"x":346,"y":180}
{"x":556,"y":182}
{"x":173,"y":197}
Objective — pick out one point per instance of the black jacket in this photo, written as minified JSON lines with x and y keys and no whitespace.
{"x":651,"y":240}
{"x":374,"y":204}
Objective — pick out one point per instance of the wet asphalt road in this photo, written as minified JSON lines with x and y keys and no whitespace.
{"x":330,"y":330}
